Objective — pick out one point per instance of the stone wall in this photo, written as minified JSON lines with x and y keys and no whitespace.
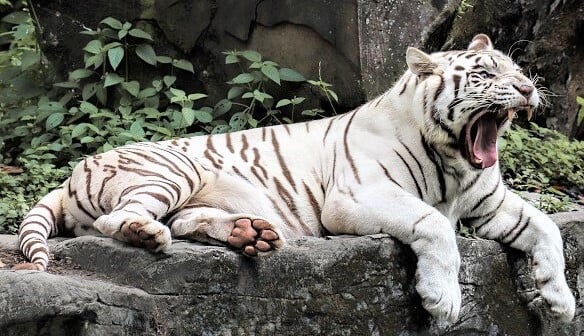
{"x":360,"y":45}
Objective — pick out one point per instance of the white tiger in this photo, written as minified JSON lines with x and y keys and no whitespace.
{"x":410,"y":163}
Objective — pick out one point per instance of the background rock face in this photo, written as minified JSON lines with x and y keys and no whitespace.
{"x":335,"y":286}
{"x":360,"y":45}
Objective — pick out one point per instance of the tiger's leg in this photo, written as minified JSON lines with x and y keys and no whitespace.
{"x":134,"y":220}
{"x":505,"y":217}
{"x":430,"y":234}
{"x":203,"y":223}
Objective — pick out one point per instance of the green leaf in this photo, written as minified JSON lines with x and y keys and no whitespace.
{"x":203,"y":116}
{"x":54,"y":120}
{"x":115,"y":24}
{"x":178,"y":93}
{"x":222,"y":107}
{"x":87,"y":139}
{"x":112,"y":78}
{"x":137,"y":130}
{"x":147,"y":92}
{"x":184,"y":65}
{"x":139,"y":33}
{"x":95,"y":60}
{"x":67,"y":85}
{"x":247,"y":95}
{"x":235,"y":92}
{"x":290,"y":75}
{"x":310,"y":113}
{"x":256,"y":65}
{"x":89,"y":32}
{"x":243,"y":78}
{"x":101,"y":93}
{"x":79,"y":130}
{"x":231,"y":59}
{"x":196,"y":96}
{"x":272,"y":73}
{"x":283,"y":102}
{"x":79,"y":74}
{"x":238,"y":121}
{"x":163,"y":131}
{"x":93,"y":47}
{"x":169,"y":80}
{"x":88,"y":108}
{"x":297,"y":100}
{"x":164,"y":59}
{"x":252,"y":56}
{"x":252,"y":121}
{"x":146,"y":53}
{"x":88,"y":91}
{"x":29,"y":58}
{"x":17,"y":18}
{"x":115,"y":56}
{"x":334,"y":95}
{"x":219,"y":129}
{"x":188,"y":116}
{"x":111,"y":45}
{"x":122,"y":33}
{"x":132,"y":87}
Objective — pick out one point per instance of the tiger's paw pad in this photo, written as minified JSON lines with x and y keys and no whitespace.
{"x":146,"y":233}
{"x":254,"y":236}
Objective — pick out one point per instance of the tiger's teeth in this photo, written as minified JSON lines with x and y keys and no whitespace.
{"x":529,"y":113}
{"x":510,"y":114}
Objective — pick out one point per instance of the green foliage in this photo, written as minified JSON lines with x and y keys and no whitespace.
{"x":248,"y":97}
{"x":21,"y":192}
{"x":537,"y":159}
{"x":48,"y":126}
{"x":550,"y":202}
{"x":580,"y":116}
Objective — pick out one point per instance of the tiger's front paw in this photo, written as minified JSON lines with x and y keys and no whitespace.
{"x":440,"y":296}
{"x":560,"y":298}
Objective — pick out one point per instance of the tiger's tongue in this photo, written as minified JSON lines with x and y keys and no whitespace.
{"x":485,"y":142}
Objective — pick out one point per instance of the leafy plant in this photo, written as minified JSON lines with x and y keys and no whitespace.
{"x":48,"y":127}
{"x":543,"y":160}
{"x":248,"y":96}
{"x":21,"y":192}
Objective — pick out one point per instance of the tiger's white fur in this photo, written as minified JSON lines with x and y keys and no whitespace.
{"x":410,"y":163}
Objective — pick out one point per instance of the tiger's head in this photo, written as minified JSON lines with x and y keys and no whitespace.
{"x":470,"y":97}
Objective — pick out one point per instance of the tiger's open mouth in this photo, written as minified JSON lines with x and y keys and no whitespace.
{"x":480,"y":134}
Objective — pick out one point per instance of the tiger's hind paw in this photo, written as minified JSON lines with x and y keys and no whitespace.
{"x":145,"y":232}
{"x":254,"y":236}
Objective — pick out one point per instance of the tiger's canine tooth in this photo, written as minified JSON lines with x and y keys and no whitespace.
{"x":529,"y":113}
{"x":511,"y":114}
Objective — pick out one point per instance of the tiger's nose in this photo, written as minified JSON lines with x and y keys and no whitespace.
{"x":524,"y":89}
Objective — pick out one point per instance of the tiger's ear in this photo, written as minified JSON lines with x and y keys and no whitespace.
{"x":419,"y":62}
{"x":480,"y":42}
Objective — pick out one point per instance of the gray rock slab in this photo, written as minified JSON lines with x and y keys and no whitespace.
{"x":331,"y":286}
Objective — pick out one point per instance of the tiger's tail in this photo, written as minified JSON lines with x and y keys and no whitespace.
{"x":44,"y":220}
